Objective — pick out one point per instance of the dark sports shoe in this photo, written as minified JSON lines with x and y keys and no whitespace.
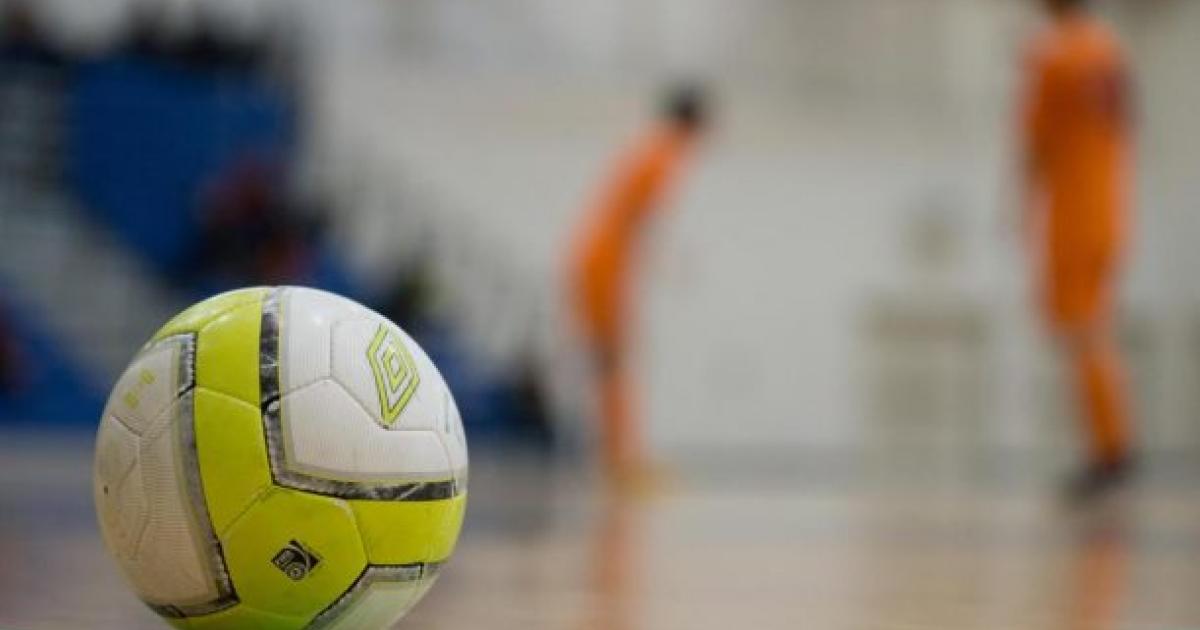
{"x":1098,"y":480}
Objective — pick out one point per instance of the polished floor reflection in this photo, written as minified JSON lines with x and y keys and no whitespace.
{"x":548,"y":549}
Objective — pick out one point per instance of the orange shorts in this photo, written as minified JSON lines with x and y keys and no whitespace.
{"x":1078,"y":288}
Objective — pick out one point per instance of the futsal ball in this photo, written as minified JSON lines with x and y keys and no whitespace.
{"x":280,"y":458}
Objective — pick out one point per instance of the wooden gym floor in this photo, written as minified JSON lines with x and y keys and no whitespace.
{"x":830,"y":544}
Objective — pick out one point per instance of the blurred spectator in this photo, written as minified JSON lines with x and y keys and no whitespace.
{"x":248,"y":233}
{"x":208,"y":44}
{"x":408,"y":299}
{"x":146,"y":37}
{"x":10,"y":365}
{"x":604,"y":262}
{"x":21,"y":37}
{"x":532,"y":409}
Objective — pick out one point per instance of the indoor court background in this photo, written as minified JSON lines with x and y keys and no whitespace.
{"x":862,"y":422}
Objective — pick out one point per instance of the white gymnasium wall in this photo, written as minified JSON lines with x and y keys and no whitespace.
{"x":839,"y":121}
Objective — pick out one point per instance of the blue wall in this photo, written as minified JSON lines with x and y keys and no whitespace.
{"x":54,"y":391}
{"x":145,"y":136}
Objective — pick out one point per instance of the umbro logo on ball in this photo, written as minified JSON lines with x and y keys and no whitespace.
{"x":396,"y":375}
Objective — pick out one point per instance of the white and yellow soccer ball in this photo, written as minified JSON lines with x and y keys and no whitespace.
{"x":280,"y":458}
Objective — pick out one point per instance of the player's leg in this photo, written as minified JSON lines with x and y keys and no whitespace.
{"x":597,"y":311}
{"x":619,"y":432}
{"x":1101,"y":384}
{"x":601,"y":307}
{"x":1085,"y":318}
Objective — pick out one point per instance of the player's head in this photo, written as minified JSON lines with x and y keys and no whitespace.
{"x":686,"y":107}
{"x":1059,"y":7}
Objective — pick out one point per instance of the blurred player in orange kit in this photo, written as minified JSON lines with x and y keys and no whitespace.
{"x":1078,"y":144}
{"x":604,"y":263}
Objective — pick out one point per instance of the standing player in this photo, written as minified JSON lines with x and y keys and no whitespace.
{"x":604,"y":261}
{"x":1078,"y":171}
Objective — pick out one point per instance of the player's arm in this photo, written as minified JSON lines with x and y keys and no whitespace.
{"x":1116,"y":95}
{"x":1035,"y":130}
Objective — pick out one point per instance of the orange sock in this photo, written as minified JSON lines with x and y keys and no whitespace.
{"x":620,"y":438}
{"x":1102,"y":389}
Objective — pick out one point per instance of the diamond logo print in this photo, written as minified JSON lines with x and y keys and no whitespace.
{"x":396,"y":376}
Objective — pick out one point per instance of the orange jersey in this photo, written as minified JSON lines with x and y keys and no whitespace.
{"x":1077,"y":133}
{"x":1077,"y":138}
{"x":605,"y":252}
